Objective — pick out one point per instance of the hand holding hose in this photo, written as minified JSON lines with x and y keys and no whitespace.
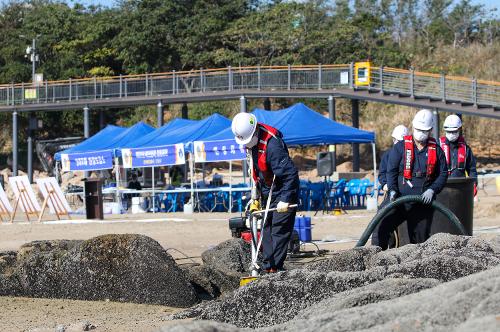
{"x":428,"y":196}
{"x":392,"y":196}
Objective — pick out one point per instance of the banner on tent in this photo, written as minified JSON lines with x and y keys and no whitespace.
{"x":154,"y":156}
{"x":87,"y":161}
{"x":223,"y":150}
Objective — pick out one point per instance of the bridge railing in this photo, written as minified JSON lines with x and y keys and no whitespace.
{"x":307,"y":77}
{"x":435,"y":86}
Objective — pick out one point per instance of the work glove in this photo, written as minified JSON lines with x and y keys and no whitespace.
{"x":385,"y":187}
{"x":282,"y":207}
{"x":427,"y":196}
{"x":392,"y":196}
{"x":254,"y":206}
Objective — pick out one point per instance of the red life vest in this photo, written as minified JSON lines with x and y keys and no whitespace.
{"x":462,"y":152}
{"x":410,"y":156}
{"x":265,"y":134}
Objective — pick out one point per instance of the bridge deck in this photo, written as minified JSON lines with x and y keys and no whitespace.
{"x":387,"y":85}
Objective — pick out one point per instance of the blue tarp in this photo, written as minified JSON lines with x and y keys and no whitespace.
{"x":97,"y":142}
{"x":301,"y":125}
{"x":196,"y":131}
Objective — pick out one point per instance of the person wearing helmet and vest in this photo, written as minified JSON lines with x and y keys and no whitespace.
{"x":416,"y":166}
{"x":398,"y":134}
{"x":271,"y":167}
{"x":459,"y":157}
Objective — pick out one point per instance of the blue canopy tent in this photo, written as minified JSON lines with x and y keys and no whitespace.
{"x":185,"y":135}
{"x":184,"y":132}
{"x":164,"y":130}
{"x":301,"y":125}
{"x":96,"y":142}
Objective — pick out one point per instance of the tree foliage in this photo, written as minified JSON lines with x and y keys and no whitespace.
{"x":139,"y":36}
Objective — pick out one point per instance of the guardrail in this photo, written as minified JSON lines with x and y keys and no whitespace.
{"x":311,"y":77}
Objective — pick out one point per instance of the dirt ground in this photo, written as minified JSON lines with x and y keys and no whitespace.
{"x":191,"y":235}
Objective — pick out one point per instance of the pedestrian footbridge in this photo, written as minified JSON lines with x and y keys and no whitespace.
{"x":359,"y":81}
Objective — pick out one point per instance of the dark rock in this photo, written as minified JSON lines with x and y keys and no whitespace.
{"x":455,"y":305}
{"x":132,"y":268}
{"x":231,"y":256}
{"x":200,"y":326}
{"x":210,"y":283}
{"x":276,"y":299}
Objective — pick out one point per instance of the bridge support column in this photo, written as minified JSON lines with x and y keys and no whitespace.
{"x":331,"y":115}
{"x":267,"y":104}
{"x":86,"y":129}
{"x":243,"y":109}
{"x":102,"y":122}
{"x":184,"y":111}
{"x":435,"y":127}
{"x":14,"y":144}
{"x":30,"y":148}
{"x":159,"y":114}
{"x":355,"y":124}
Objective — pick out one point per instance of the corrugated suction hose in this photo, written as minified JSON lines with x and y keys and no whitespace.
{"x":408,"y":199}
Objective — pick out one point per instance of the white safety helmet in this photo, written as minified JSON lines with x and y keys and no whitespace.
{"x":423,"y":120}
{"x":399,"y":132}
{"x":243,"y":127}
{"x":452,"y":123}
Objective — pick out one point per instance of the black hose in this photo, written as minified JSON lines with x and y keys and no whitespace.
{"x":407,"y":199}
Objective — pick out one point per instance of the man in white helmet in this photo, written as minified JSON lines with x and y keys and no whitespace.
{"x":459,"y":157}
{"x":416,"y":166}
{"x":272,"y":167}
{"x":398,"y":134}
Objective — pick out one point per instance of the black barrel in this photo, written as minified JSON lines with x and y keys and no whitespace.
{"x":458,"y":196}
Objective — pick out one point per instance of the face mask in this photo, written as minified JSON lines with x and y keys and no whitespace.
{"x":253,"y":142}
{"x":452,"y":136}
{"x":420,"y":136}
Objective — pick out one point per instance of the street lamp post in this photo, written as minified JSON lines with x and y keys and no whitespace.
{"x":31,"y":51}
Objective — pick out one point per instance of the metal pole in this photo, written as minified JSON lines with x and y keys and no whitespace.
{"x":243,"y":109}
{"x":435,"y":120}
{"x":289,"y":78}
{"x":412,"y":83}
{"x":86,"y":129}
{"x":33,"y":61}
{"x":320,"y":76}
{"x":381,"y":77}
{"x":14,"y":143}
{"x":159,"y":114}
{"x":375,"y":178}
{"x":443,"y":88}
{"x":351,"y":75}
{"x":259,"y":85}
{"x":230,"y":186}
{"x":332,"y":115}
{"x":101,"y":119}
{"x":30,"y":148}
{"x":153,"y":186}
{"x":184,"y":111}
{"x":355,"y":124}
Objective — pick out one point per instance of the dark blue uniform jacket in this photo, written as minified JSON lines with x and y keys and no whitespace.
{"x":470,"y":162}
{"x":286,"y":184}
{"x":382,"y":176}
{"x":395,"y":167}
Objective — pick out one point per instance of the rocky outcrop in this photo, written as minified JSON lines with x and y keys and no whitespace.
{"x":128,"y":267}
